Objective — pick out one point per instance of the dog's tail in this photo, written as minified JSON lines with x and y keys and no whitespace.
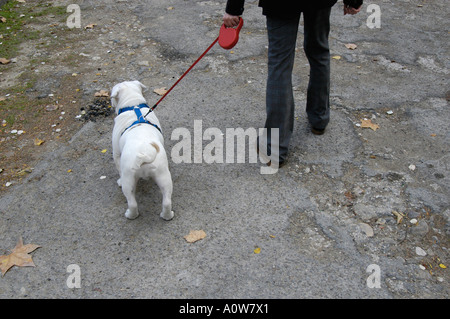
{"x":147,"y":154}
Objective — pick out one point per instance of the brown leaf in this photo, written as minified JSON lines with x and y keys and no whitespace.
{"x":195,"y":235}
{"x":2,"y":19}
{"x":4,"y":61}
{"x":160,"y":91}
{"x":102,"y":93}
{"x":18,"y":257}
{"x":351,"y":46}
{"x":399,"y":216}
{"x":369,"y":124}
{"x":90,"y":26}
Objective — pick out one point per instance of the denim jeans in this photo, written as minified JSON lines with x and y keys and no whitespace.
{"x":282,"y":35}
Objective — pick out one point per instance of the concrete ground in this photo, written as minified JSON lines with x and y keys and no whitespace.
{"x":323,"y":226}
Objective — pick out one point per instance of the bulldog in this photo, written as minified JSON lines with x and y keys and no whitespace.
{"x":138,"y":147}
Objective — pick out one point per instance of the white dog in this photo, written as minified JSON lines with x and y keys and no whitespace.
{"x":138,"y":147}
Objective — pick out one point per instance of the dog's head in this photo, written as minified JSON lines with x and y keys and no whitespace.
{"x":125,"y":90}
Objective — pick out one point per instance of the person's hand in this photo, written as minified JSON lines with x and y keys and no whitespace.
{"x":230,"y":21}
{"x":351,"y":10}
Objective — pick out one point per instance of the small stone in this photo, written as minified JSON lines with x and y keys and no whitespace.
{"x":367,"y":229}
{"x":412,"y":167}
{"x":420,"y":251}
{"x":144,"y":63}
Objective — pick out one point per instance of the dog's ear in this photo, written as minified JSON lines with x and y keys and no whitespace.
{"x":115,"y":91}
{"x":115,"y":94}
{"x":143,"y":87}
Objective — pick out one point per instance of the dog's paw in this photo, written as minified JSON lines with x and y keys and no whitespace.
{"x":167,"y":215}
{"x":119,"y":182}
{"x":131,"y":215}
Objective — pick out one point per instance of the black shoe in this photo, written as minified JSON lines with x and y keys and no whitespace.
{"x":317,"y":131}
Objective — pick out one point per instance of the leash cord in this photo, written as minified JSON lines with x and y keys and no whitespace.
{"x":187,"y":71}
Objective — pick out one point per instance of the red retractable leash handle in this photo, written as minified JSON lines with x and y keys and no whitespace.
{"x":228,"y":37}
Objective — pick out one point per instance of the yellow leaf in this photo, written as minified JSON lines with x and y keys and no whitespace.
{"x":442,"y":266}
{"x":104,"y":151}
{"x":336,"y":57}
{"x":69,"y":171}
{"x":257,"y":250}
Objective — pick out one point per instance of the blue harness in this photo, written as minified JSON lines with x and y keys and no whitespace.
{"x":140,"y":118}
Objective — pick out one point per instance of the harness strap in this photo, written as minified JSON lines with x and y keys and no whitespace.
{"x":140,"y":118}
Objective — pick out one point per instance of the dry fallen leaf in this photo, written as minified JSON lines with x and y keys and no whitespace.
{"x":336,"y":57}
{"x":399,"y":216}
{"x":38,"y":142}
{"x":195,"y":235}
{"x":351,"y":46}
{"x":4,"y":61}
{"x":369,"y":124}
{"x":102,"y":93}
{"x":90,"y":26}
{"x":160,"y":91}
{"x":257,"y":250}
{"x":2,"y":19}
{"x":18,"y":257}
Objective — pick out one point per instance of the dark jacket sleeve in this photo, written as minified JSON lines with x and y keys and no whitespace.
{"x":235,"y":7}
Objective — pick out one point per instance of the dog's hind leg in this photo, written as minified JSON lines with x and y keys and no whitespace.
{"x":129,"y":190}
{"x":164,"y":181}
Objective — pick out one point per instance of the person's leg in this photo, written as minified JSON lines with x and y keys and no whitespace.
{"x":317,"y":29}
{"x":282,"y":35}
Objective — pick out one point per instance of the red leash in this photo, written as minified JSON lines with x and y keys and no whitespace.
{"x":228,"y":37}
{"x":190,"y":68}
